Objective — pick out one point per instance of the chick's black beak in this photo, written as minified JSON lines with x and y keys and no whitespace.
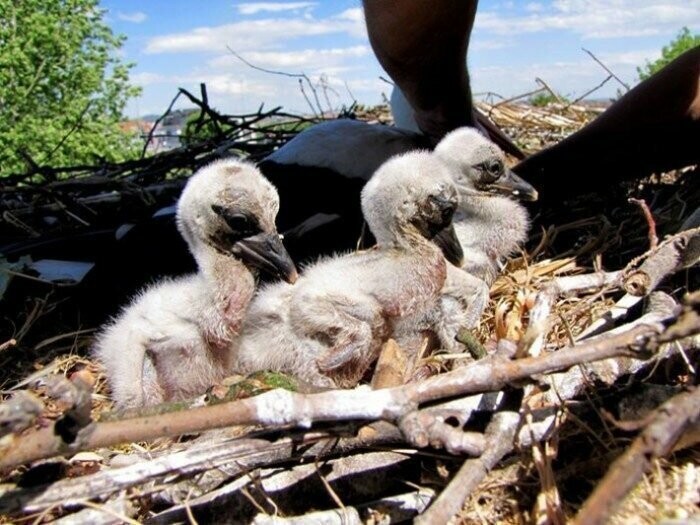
{"x":447,"y":241}
{"x":266,"y":252}
{"x":512,"y":185}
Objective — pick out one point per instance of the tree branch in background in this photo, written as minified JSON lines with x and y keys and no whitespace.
{"x":158,"y":121}
{"x":606,"y":68}
{"x":317,"y":111}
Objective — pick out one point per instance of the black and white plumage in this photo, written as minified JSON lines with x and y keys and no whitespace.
{"x":173,"y":340}
{"x":327,"y":329}
{"x":320,"y":174}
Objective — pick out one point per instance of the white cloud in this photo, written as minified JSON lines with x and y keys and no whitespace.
{"x":570,"y":78}
{"x":629,"y":58}
{"x":233,"y":85}
{"x":355,"y":17}
{"x":248,"y":35}
{"x":534,"y":7}
{"x":354,"y":14}
{"x":146,"y":78}
{"x":481,"y":44}
{"x":598,"y":18}
{"x":294,"y":61}
{"x":136,"y":17}
{"x":252,"y":8}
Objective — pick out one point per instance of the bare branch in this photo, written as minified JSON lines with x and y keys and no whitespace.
{"x":606,"y":68}
{"x":391,"y":366}
{"x":424,"y":427}
{"x":228,"y":458}
{"x":589,"y":92}
{"x":158,"y":121}
{"x":656,"y":441}
{"x":72,"y":130}
{"x":533,"y":341}
{"x":300,"y":76}
{"x":281,"y":408}
{"x":679,"y":251}
{"x":651,"y":223}
{"x":551,"y":91}
{"x":8,"y":344}
{"x":392,"y":509}
{"x":499,"y":435}
{"x":19,"y":412}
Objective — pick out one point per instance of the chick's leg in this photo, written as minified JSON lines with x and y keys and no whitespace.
{"x":464,"y":298}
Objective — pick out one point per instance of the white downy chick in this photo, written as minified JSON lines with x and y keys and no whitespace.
{"x":490,"y":226}
{"x":329,"y":327}
{"x":173,"y":341}
{"x":489,"y":222}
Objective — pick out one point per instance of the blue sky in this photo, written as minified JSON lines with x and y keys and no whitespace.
{"x":182,"y":43}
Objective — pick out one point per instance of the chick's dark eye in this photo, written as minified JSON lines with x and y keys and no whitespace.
{"x":240,"y":223}
{"x":495,"y":167}
{"x":491,"y":170}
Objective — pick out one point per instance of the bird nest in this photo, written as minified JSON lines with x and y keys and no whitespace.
{"x":267,"y":448}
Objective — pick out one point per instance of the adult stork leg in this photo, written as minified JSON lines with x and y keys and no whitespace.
{"x":422,"y":45}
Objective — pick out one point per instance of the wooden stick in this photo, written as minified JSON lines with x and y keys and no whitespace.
{"x":284,"y":408}
{"x":499,"y":434}
{"x":651,"y":223}
{"x":532,"y":342}
{"x":231,"y":457}
{"x":391,"y":366}
{"x":392,"y":509}
{"x":656,"y":441}
{"x":675,"y":253}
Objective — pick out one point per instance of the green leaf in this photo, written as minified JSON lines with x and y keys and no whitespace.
{"x":64,"y":87}
{"x":683,"y":42}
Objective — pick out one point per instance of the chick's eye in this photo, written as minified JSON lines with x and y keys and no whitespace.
{"x":494,"y":167}
{"x":491,"y":170}
{"x":239,"y":223}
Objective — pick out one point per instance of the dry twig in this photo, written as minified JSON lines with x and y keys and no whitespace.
{"x":656,"y":441}
{"x":651,"y":223}
{"x":499,"y":434}
{"x":670,"y":256}
{"x":281,"y":407}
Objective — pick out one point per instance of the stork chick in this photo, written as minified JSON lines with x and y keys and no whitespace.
{"x":329,"y":327}
{"x":173,"y":341}
{"x":489,"y":223}
{"x":490,"y":226}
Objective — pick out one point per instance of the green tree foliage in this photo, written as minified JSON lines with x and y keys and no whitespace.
{"x":542,"y":99}
{"x":198,"y":129}
{"x":683,"y":42}
{"x":63,"y":87}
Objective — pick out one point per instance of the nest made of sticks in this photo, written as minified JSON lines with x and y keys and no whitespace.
{"x":370,"y":470}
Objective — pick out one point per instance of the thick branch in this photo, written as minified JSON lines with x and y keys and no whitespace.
{"x":392,"y":509}
{"x":282,"y":408}
{"x":532,"y":342}
{"x":567,"y":385}
{"x":678,"y":252}
{"x":285,"y":490}
{"x":656,"y":441}
{"x":230,"y":457}
{"x":499,"y":434}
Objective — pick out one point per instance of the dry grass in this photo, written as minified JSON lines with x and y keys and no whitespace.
{"x":670,"y":492}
